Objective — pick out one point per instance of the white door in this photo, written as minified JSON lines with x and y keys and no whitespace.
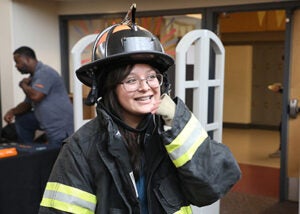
{"x":204,"y":50}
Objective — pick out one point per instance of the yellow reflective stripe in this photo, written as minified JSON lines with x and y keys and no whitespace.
{"x":184,"y":210}
{"x":184,"y":146}
{"x":183,"y":135}
{"x":189,"y":154}
{"x":67,"y":198}
{"x":71,"y":208}
{"x":71,"y":191}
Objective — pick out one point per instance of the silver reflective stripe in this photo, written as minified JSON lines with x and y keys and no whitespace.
{"x":188,"y":143}
{"x":132,"y":44}
{"x":134,"y":183}
{"x":184,"y":146}
{"x":70,"y":199}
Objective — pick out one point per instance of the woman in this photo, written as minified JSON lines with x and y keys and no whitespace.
{"x":143,"y":153}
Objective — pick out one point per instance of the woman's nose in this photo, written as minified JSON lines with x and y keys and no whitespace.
{"x":143,"y":84}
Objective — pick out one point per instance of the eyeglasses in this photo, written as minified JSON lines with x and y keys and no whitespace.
{"x":132,"y":84}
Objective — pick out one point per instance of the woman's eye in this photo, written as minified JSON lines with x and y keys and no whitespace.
{"x":151,"y":77}
{"x":130,"y":81}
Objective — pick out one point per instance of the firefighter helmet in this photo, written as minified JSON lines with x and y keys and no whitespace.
{"x":121,"y":44}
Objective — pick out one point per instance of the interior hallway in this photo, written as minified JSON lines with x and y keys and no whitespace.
{"x":258,"y":190}
{"x":253,"y":146}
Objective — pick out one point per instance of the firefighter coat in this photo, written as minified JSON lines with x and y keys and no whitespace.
{"x":184,"y":167}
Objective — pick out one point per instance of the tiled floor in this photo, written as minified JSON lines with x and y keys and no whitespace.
{"x":251,"y":147}
{"x":258,"y":190}
{"x":239,"y":203}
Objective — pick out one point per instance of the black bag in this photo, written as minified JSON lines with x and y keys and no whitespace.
{"x":9,"y":133}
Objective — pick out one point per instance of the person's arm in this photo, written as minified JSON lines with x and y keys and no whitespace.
{"x":206,"y":168}
{"x":21,"y":108}
{"x":32,"y":94}
{"x":276,"y":87}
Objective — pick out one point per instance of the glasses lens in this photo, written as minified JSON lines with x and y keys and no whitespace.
{"x":131,"y":85}
{"x":153,"y":81}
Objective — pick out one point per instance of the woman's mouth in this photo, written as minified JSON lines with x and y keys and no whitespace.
{"x":145,"y":98}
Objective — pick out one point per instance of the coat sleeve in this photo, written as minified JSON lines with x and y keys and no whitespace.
{"x":69,"y":188}
{"x":206,"y":168}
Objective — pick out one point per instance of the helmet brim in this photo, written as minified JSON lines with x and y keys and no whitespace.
{"x":158,"y":60}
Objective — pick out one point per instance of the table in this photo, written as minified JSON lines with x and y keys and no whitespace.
{"x":23,"y":179}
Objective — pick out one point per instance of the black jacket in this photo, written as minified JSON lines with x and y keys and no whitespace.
{"x":183,"y":166}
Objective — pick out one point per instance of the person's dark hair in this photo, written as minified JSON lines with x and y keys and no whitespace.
{"x":25,"y":51}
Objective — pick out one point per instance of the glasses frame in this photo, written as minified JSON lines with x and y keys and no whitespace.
{"x":158,"y":77}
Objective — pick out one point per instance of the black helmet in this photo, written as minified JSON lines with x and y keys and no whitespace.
{"x":121,"y":44}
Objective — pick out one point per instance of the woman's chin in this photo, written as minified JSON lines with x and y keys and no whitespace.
{"x":144,"y":111}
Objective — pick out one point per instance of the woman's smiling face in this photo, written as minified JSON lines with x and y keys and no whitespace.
{"x":141,"y":101}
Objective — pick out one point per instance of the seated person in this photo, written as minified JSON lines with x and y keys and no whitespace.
{"x":47,"y":105}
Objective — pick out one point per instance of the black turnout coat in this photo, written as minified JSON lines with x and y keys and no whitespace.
{"x":183,"y":167}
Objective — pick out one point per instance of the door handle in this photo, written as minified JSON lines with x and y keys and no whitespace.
{"x":293,"y":108}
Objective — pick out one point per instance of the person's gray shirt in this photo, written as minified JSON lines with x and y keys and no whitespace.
{"x":55,"y":111}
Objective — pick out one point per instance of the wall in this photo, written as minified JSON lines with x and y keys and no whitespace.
{"x":6,"y":76}
{"x":31,"y":23}
{"x":237,"y":85}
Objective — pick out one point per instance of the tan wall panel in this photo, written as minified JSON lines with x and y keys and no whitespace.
{"x":237,"y":85}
